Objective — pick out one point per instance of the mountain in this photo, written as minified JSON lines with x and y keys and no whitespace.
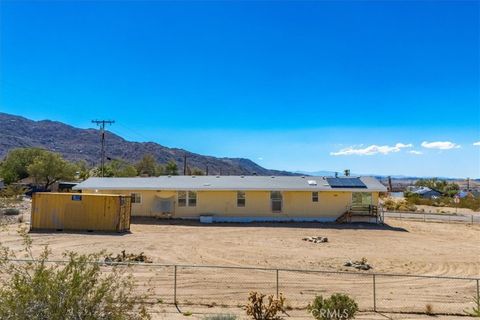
{"x":84,"y":144}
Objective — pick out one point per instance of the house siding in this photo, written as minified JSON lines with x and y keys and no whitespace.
{"x":296,"y":204}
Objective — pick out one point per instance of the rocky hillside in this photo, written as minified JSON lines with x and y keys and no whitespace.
{"x":84,"y":144}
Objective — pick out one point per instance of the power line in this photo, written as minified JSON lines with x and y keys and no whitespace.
{"x":101,"y":124}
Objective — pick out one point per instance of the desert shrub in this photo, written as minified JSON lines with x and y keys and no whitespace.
{"x":475,"y":312}
{"x":11,"y":212}
{"x":259,"y":308}
{"x":338,"y":306}
{"x":221,"y":317}
{"x":13,"y":191}
{"x":429,"y":309}
{"x":399,"y":205}
{"x":76,"y":290}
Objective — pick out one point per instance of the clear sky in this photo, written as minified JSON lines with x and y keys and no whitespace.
{"x":385,"y":87}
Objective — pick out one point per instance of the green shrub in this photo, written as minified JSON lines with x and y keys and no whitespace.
{"x":475,"y":312}
{"x":11,"y":212}
{"x":77,"y":289}
{"x":221,"y":317}
{"x":338,"y":307}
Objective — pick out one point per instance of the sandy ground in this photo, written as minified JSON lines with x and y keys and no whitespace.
{"x":407,"y":247}
{"x":401,"y":247}
{"x":452,"y":210}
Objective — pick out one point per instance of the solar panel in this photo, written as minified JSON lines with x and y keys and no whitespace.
{"x":346,"y":183}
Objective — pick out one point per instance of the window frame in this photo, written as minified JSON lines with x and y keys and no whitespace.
{"x":134,"y":196}
{"x":241,"y":197}
{"x":182,"y":201}
{"x":276,"y":200}
{"x":315,"y":196}
{"x":189,"y":198}
{"x":362,"y":196}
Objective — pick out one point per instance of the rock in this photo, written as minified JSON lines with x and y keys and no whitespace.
{"x":316,"y":239}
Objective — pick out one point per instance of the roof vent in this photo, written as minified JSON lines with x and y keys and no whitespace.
{"x":303,"y":177}
{"x":218,"y":176}
{"x":242,"y":176}
{"x":312,"y":182}
{"x":206,"y":184}
{"x":193,"y":176}
{"x":169,"y":176}
{"x":273,"y":177}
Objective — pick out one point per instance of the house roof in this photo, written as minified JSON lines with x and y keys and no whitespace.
{"x":274,"y":183}
{"x":424,"y":190}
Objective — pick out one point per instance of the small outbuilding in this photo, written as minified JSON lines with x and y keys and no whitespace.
{"x":80,"y":212}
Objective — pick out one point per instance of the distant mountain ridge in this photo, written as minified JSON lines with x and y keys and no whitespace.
{"x":84,"y":144}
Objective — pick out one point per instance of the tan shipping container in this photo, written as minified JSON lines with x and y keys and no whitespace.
{"x":80,"y":212}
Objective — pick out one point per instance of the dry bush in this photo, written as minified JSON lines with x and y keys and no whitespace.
{"x":259,"y":308}
{"x":78,"y":289}
{"x":429,"y":309}
{"x":398,"y":205}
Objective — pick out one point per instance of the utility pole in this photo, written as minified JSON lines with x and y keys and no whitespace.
{"x":101,"y":124}
{"x":184,"y":164}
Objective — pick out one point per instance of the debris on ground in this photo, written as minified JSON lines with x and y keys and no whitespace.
{"x":128,"y":257}
{"x":316,"y":239}
{"x":359,"y":264}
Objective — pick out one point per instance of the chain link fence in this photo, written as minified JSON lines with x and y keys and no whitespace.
{"x":432,"y":217}
{"x":220,"y":286}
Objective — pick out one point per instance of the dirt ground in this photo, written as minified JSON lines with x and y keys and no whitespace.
{"x":401,"y":247}
{"x":406,"y":247}
{"x":451,"y":210}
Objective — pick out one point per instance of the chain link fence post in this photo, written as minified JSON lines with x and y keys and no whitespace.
{"x":175,"y":284}
{"x":478,"y":294}
{"x":374,"y":294}
{"x":277,"y":282}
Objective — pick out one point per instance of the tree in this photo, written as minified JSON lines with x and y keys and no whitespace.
{"x":196,"y":172}
{"x":83,"y":170}
{"x":160,"y":170}
{"x":14,"y":167}
{"x":171,"y":168}
{"x":48,"y":168}
{"x":119,"y":168}
{"x":147,"y":166}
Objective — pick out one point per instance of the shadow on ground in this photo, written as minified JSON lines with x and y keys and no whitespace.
{"x":306,"y":225}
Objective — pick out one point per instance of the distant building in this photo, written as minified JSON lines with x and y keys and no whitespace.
{"x":468,"y":194}
{"x":425,"y":192}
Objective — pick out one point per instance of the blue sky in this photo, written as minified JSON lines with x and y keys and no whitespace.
{"x":291,"y":85}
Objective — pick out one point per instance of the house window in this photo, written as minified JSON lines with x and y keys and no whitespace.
{"x":314,"y":196}
{"x":361,"y":198}
{"x":76,"y":197}
{"x":240,"y":199}
{"x":192,"y":198}
{"x":182,"y":198}
{"x":276,"y":199}
{"x":136,"y":198}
